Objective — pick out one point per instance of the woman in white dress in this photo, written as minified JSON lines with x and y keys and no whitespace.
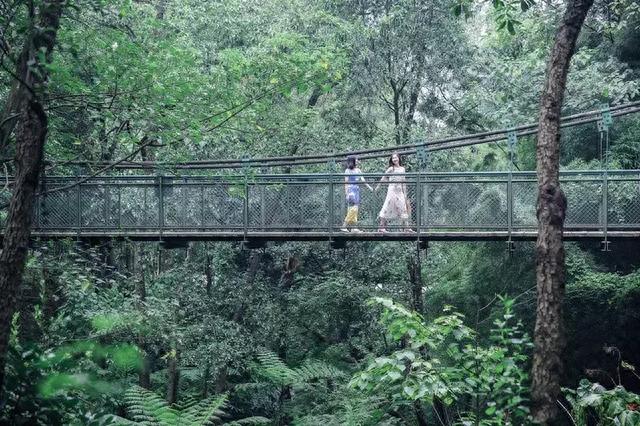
{"x":396,"y":204}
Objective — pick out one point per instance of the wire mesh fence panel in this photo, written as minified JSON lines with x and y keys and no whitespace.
{"x":288,"y":205}
{"x":461,"y":201}
{"x":269,"y":207}
{"x":99,"y":203}
{"x":307,"y":206}
{"x":624,"y":203}
{"x":223,"y":205}
{"x":446,"y":204}
{"x":337,"y":205}
{"x":466,"y":204}
{"x":60,"y":209}
{"x":487,"y":205}
{"x":181,"y":206}
{"x":259,"y":197}
{"x":137,"y":207}
{"x":525,"y":195}
{"x":584,"y":203}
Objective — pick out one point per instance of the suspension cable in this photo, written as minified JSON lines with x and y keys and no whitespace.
{"x":434,"y":145}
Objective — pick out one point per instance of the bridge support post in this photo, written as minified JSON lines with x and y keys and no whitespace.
{"x":605,"y":121}
{"x":605,"y":245}
{"x":414,"y":264}
{"x":245,"y":205}
{"x":337,"y":244}
{"x":161,"y":203}
{"x":512,"y":140}
{"x":78,"y":212}
{"x":252,"y":244}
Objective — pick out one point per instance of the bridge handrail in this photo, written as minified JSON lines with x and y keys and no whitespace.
{"x":503,"y":200}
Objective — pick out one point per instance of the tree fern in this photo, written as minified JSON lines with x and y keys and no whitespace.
{"x":149,"y":409}
{"x":256,"y":420}
{"x":316,"y":370}
{"x":204,"y":412}
{"x":271,"y":368}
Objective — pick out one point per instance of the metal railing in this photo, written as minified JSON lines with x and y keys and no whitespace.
{"x":597,"y":200}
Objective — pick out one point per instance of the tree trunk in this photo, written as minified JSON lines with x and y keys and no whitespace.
{"x":30,"y":141}
{"x":221,"y":380}
{"x":409,"y":119}
{"x":144,"y":375}
{"x":173,"y":373}
{"x":551,"y":208}
{"x":52,"y":294}
{"x":252,"y":272}
{"x":30,"y":137}
{"x":415,"y":277}
{"x":29,"y":330}
{"x":396,"y":113}
{"x":208,"y":273}
{"x":421,"y":418}
{"x":205,"y":380}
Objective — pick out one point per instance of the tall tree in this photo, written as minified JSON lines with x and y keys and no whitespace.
{"x":551,"y":209}
{"x":31,"y":76}
{"x":409,"y":51}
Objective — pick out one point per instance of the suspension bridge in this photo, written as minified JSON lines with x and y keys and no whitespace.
{"x":444,"y":206}
{"x":256,"y":207}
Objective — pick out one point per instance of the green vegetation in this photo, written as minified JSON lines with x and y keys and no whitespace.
{"x":123,"y":332}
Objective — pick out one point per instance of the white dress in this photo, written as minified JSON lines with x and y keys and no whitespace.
{"x":395,"y":204}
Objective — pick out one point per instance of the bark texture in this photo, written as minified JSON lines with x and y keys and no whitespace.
{"x":414,"y":266}
{"x":173,"y":379}
{"x":31,"y":132}
{"x":551,"y":208}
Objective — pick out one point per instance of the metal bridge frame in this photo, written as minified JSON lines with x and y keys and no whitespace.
{"x":603,"y":205}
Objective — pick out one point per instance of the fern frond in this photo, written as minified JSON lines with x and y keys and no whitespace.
{"x":204,"y":412}
{"x":147,"y":408}
{"x":316,"y":370}
{"x":256,"y":420}
{"x":113,"y":420}
{"x":186,"y":402}
{"x":271,"y":368}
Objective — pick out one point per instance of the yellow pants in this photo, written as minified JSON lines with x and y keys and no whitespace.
{"x":352,"y":215}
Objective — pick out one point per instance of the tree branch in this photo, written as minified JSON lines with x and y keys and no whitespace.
{"x":146,"y":142}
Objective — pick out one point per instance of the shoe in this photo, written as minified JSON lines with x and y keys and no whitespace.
{"x":409,"y":231}
{"x":382,"y":230}
{"x":357,"y":231}
{"x":344,"y":229}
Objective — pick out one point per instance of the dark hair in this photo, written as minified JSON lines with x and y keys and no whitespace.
{"x":351,"y":162}
{"x":391,"y":159}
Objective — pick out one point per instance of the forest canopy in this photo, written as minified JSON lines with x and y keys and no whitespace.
{"x":124,"y":331}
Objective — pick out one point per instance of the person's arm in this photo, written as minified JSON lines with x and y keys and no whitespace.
{"x":404,"y":185}
{"x":362,"y":179}
{"x":346,"y":183}
{"x":384,"y":178}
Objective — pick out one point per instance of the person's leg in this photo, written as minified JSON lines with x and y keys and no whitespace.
{"x":345,"y":222}
{"x":355,"y":218}
{"x":351,"y":218}
{"x":383,"y":224}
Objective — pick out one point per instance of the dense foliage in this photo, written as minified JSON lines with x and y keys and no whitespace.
{"x":121,"y":332}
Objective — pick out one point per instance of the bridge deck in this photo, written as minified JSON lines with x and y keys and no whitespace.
{"x":325,"y":236}
{"x":442,"y":206}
